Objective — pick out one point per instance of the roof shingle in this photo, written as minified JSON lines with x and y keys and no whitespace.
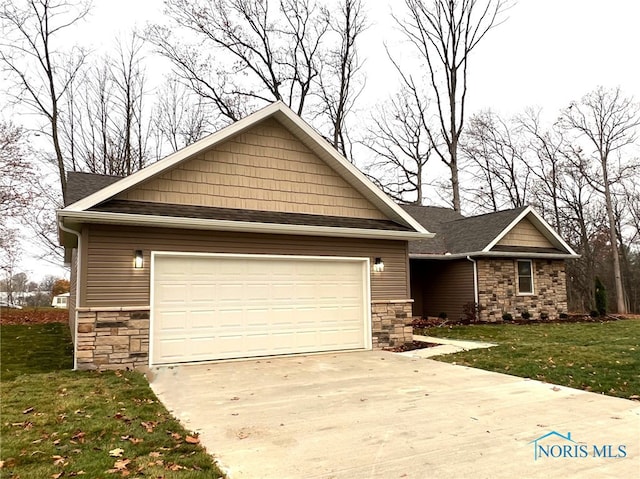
{"x":456,"y":234}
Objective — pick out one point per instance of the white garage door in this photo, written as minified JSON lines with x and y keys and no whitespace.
{"x":208,"y":307}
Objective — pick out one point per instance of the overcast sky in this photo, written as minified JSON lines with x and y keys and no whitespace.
{"x":546,"y":53}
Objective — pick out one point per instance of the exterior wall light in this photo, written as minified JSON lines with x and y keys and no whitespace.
{"x":378,"y":265}
{"x":138,"y":261}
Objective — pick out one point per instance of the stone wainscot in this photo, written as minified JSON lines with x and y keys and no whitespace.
{"x":498,"y":294}
{"x":112,"y":339}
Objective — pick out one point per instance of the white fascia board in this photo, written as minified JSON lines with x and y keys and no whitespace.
{"x":542,"y":226}
{"x":100,"y":217}
{"x":495,"y":254}
{"x":552,"y":232}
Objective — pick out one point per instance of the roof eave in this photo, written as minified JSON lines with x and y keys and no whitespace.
{"x":77,"y":218}
{"x":494,"y":254}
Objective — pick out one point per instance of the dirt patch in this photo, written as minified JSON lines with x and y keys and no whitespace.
{"x":33,"y":316}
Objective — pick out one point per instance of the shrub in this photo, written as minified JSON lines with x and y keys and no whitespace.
{"x":563,"y":316}
{"x":526,"y":314}
{"x":600,"y":297}
{"x":507,"y":317}
{"x":470,"y":311}
{"x":442,"y":315}
{"x":544,"y":316}
{"x":594,"y":313}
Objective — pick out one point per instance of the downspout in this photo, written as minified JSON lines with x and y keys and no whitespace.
{"x":78,"y":269}
{"x":476,"y":296}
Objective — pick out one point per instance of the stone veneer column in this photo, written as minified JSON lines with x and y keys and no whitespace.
{"x":391,"y":323}
{"x":112,"y":339}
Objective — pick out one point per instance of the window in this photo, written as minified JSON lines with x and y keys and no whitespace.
{"x":525,"y":276}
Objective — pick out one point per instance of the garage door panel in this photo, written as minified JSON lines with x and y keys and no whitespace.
{"x":221,"y":307}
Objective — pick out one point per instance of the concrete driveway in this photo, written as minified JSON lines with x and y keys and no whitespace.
{"x":377,"y":414}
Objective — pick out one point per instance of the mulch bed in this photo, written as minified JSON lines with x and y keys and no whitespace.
{"x":412,"y":346}
{"x":33,"y":316}
{"x":430,"y":322}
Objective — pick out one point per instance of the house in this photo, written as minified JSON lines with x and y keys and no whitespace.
{"x":257,"y":240}
{"x":60,"y":300}
{"x":505,"y":262}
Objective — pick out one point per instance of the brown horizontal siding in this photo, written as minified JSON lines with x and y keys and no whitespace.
{"x":525,"y":234}
{"x":111,"y":279}
{"x":267,"y":169}
{"x":441,"y":287}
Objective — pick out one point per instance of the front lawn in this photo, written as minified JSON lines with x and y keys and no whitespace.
{"x":60,"y":423}
{"x":600,"y":357}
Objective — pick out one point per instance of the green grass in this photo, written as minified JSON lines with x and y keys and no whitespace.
{"x":57,"y":421}
{"x":599,"y":357}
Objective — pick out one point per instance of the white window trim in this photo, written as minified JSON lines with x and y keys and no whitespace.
{"x":533,"y":278}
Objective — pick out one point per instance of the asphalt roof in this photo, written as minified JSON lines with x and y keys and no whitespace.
{"x":80,"y":184}
{"x":253,"y":216}
{"x":455,"y":233}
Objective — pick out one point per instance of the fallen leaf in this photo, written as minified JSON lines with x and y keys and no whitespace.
{"x":28,"y":410}
{"x":149,"y":425}
{"x":117,"y":452}
{"x":192,"y":439}
{"x":154,"y":454}
{"x":175,"y":435}
{"x":555,"y":388}
{"x":136,"y":440}
{"x":57,"y":460}
{"x":174,"y":467}
{"x":1,"y":464}
{"x":57,"y":476}
{"x":121,"y":465}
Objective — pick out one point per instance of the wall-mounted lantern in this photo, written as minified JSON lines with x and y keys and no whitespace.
{"x":138,"y":260}
{"x":378,"y":265}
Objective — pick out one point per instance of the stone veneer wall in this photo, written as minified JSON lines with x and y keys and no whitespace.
{"x":391,"y":323}
{"x":119,"y":339}
{"x":497,"y":289}
{"x":112,"y":339}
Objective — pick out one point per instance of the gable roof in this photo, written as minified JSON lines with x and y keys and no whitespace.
{"x":459,"y":236}
{"x":100,"y":190}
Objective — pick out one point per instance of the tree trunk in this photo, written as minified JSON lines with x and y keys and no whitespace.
{"x":613,"y":238}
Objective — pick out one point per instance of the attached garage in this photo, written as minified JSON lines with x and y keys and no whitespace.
{"x":258,"y":240}
{"x":207,"y":306}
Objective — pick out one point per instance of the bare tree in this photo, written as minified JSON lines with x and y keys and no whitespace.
{"x":340,"y":84}
{"x":29,"y":54}
{"x":443,"y":34}
{"x":607,"y":121}
{"x":546,"y":164}
{"x":402,"y":143}
{"x":180,"y":117}
{"x":497,"y":161}
{"x":129,"y":79}
{"x":17,"y":175}
{"x":260,"y":53}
